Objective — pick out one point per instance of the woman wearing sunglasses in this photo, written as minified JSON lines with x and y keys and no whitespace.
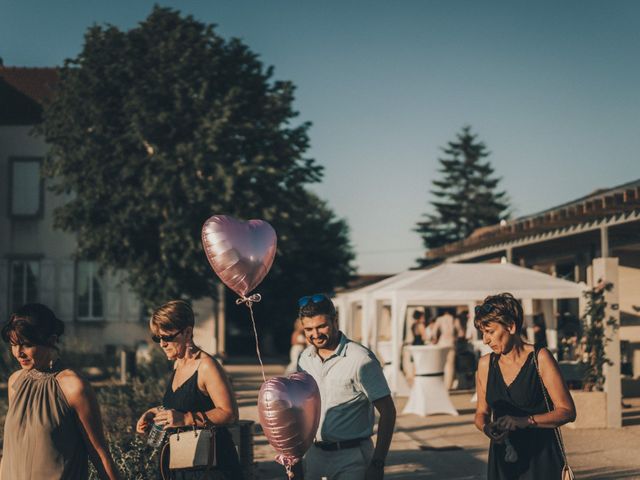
{"x":512,"y":410}
{"x":198,"y":392}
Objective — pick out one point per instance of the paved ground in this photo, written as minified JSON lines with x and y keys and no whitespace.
{"x":446,"y":447}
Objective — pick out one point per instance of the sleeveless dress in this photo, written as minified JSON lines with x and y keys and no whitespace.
{"x":189,"y":398}
{"x":42,"y":434}
{"x":539,"y":456}
{"x":417,"y":338}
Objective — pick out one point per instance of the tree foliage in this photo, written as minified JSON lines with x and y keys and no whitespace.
{"x":466,"y":197}
{"x":154,"y":129}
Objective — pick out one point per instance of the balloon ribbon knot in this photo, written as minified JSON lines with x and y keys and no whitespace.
{"x":288,"y":463}
{"x":250,"y":300}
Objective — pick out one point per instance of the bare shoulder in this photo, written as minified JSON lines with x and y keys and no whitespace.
{"x":73,"y":385}
{"x":483,"y":363}
{"x":546,"y":359}
{"x":209,"y":365}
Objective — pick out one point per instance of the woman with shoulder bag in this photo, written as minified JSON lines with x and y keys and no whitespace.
{"x":198,"y":401}
{"x":522,"y":398}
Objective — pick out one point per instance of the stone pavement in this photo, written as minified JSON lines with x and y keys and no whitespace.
{"x":446,"y":447}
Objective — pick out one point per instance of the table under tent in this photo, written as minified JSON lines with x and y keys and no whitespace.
{"x":362,"y":312}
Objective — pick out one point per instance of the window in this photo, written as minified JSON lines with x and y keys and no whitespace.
{"x":89,"y":292}
{"x":26,"y":187}
{"x":24,"y":282}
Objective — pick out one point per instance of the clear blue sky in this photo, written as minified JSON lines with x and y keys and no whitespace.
{"x":552,"y":87}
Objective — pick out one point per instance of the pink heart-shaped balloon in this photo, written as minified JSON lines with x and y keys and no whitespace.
{"x":289,"y":412}
{"x":241,"y":253}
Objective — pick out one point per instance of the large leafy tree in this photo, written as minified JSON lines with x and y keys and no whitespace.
{"x":467,"y":196}
{"x":154,"y":129}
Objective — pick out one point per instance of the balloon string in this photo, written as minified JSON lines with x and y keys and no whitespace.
{"x":255,"y":333}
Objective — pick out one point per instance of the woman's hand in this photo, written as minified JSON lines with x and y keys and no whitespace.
{"x":170,"y":418}
{"x":495,"y":433}
{"x":145,"y":421}
{"x":509,"y":423}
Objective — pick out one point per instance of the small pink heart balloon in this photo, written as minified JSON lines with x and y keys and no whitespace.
{"x":289,"y":412}
{"x":241,"y":253}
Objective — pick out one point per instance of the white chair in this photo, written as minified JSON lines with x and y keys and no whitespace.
{"x":384,"y":355}
{"x":428,"y":395}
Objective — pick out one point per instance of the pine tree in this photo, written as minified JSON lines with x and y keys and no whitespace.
{"x":466,"y":197}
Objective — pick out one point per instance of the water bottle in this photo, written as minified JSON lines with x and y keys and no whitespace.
{"x":156,"y":434}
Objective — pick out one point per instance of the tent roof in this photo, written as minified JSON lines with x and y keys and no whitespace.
{"x":359,"y":294}
{"x":463,"y":282}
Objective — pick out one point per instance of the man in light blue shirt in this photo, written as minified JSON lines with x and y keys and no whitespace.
{"x":351,"y":385}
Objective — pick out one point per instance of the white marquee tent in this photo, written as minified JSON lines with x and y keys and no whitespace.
{"x":447,"y":284}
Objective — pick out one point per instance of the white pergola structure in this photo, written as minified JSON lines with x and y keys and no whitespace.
{"x":446,"y":285}
{"x":347,"y":304}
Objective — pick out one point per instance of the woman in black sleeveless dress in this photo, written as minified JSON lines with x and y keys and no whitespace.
{"x":198,"y":393}
{"x":511,"y":408}
{"x":418,"y":328}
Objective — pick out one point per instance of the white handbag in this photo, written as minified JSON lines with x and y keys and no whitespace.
{"x":192,"y":449}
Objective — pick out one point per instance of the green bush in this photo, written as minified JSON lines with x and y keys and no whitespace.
{"x":121,"y":406}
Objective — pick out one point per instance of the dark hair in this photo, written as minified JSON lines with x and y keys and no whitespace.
{"x":417,"y":314}
{"x":502,"y":308}
{"x":174,"y":315}
{"x":33,"y":323}
{"x":323,"y":307}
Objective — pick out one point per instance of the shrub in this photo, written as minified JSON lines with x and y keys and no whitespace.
{"x":594,"y":337}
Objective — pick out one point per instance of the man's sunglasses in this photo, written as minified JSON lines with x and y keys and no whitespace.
{"x":317,"y":298}
{"x":165,"y":338}
{"x":484,"y":309}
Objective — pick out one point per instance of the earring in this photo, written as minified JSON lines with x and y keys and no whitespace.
{"x":191,"y":347}
{"x":51,"y":364}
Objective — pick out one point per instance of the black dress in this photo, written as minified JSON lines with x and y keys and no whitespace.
{"x":539,"y":456}
{"x":189,"y":398}
{"x":417,"y":338}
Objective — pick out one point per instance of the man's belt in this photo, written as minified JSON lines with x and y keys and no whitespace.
{"x":332,"y":446}
{"x":438,"y":374}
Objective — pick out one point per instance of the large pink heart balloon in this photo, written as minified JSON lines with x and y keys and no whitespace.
{"x":241,"y":253}
{"x":289,"y":412}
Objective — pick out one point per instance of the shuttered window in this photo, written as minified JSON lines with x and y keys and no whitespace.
{"x":24,"y":282}
{"x":89,"y":292}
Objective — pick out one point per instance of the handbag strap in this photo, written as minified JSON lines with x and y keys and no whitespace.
{"x":212,"y":460}
{"x":547,"y":403}
{"x":163,"y":472}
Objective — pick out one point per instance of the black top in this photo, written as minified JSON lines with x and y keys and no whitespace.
{"x":539,"y":456}
{"x":417,"y":338}
{"x":188,"y":398}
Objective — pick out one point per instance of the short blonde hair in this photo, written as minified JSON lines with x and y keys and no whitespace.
{"x":175,"y":315}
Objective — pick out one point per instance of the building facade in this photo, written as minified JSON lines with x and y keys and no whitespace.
{"x":38,"y":262}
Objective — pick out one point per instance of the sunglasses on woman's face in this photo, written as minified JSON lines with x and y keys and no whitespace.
{"x":317,"y":298}
{"x":165,"y":338}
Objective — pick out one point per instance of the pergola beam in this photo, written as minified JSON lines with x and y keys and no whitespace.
{"x":550,"y":235}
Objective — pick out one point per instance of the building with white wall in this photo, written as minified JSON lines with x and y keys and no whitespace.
{"x":37,"y":262}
